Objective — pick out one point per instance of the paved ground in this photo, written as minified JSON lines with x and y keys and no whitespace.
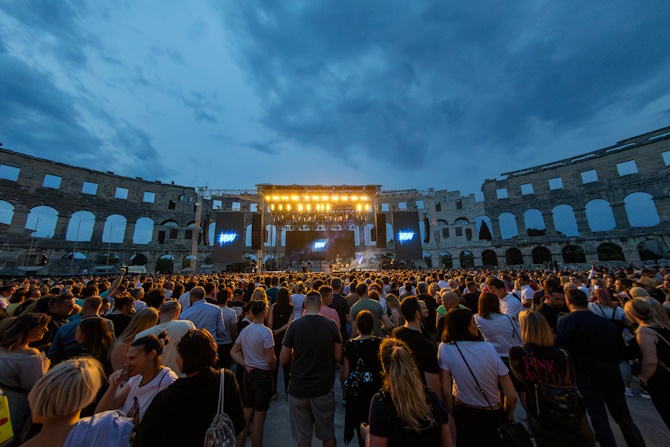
{"x":278,"y":431}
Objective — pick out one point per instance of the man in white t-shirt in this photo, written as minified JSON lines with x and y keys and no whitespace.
{"x":510,"y":304}
{"x":526,"y":291}
{"x":175,"y":328}
{"x":442,"y":283}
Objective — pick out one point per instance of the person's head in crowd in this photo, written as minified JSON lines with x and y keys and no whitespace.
{"x":259,"y":294}
{"x":89,"y":289}
{"x":362,"y":290}
{"x":238,"y":294}
{"x":209,"y":288}
{"x":94,"y":336}
{"x":374,"y":295}
{"x":336,"y":284}
{"x":489,"y":305}
{"x":155,"y":298}
{"x":658,"y":309}
{"x":460,"y":326}
{"x":576,"y":299}
{"x":535,"y":329}
{"x":106,"y":306}
{"x":402,"y":379}
{"x":92,"y":305}
{"x":197,"y":293}
{"x":421,"y":288}
{"x":170,"y":311}
{"x":392,"y":301}
{"x":326,"y":295}
{"x":222,"y":297}
{"x":274,"y":282}
{"x":554,"y":295}
{"x":178,"y":290}
{"x":569,"y":286}
{"x":313,"y":301}
{"x":7,"y":291}
{"x":283,"y":298}
{"x":196,"y":352}
{"x":137,"y":294}
{"x":142,"y":320}
{"x":434,"y":291}
{"x":17,"y":332}
{"x":365,"y":322}
{"x":62,"y":305}
{"x":496,"y":286}
{"x":124,"y":304}
{"x":65,"y":390}
{"x":450,"y":299}
{"x":144,"y":355}
{"x":408,"y":287}
{"x":258,"y":309}
{"x":411,"y":309}
{"x":638,"y":292}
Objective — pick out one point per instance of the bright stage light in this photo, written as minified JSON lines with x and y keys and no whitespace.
{"x":269,"y":198}
{"x":324,"y":198}
{"x":359,"y":207}
{"x":367,"y":207}
{"x":272,"y":207}
{"x":328,"y":206}
{"x":336,"y":198}
{"x":354,"y":198}
{"x":300,"y":207}
{"x":280,"y":207}
{"x":308,"y":207}
{"x":295,"y":198}
{"x":288,"y":207}
{"x":275,"y":197}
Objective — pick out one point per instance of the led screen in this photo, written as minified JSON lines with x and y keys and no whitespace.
{"x":406,"y":235}
{"x":228,"y":237}
{"x":319,"y":245}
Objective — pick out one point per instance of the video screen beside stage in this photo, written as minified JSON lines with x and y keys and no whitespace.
{"x":228,"y":237}
{"x":319,"y":245}
{"x":406,"y":235}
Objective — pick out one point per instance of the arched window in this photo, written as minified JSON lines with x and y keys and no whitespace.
{"x":599,"y":215}
{"x":467,"y":259}
{"x":508,"y":228}
{"x":144,"y":230}
{"x":541,"y":255}
{"x":565,"y":221}
{"x":641,"y":210}
{"x":6,"y":212}
{"x":489,"y":257}
{"x":573,"y":254}
{"x":513,"y":256}
{"x":447,"y":260}
{"x":42,"y":220}
{"x":115,"y":229}
{"x":80,"y":227}
{"x":534,"y":223}
{"x":610,"y":252}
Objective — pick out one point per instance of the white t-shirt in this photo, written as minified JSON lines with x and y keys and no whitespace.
{"x":511,"y":305}
{"x":585,"y":289}
{"x":146,"y":394}
{"x":501,"y":331}
{"x":185,"y":300}
{"x":298,"y":301}
{"x":610,"y":313}
{"x":443,"y":284}
{"x":175,"y":331}
{"x":527,"y":294}
{"x":484,"y":362}
{"x":229,"y":318}
{"x":255,"y":339}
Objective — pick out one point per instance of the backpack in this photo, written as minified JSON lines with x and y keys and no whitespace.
{"x":359,"y":379}
{"x":558,"y":406}
{"x":221,"y":432}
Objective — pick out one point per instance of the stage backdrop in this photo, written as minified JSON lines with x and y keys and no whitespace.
{"x":319,"y":245}
{"x":406,"y":235}
{"x":228,"y":237}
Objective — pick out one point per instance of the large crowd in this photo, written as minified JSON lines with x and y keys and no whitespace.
{"x":430,"y":358}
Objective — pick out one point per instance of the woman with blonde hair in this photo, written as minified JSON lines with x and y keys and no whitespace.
{"x":259,"y":294}
{"x":400,"y":415}
{"x":653,"y":337}
{"x":142,"y":320}
{"x":393,"y":306}
{"x":20,"y":365}
{"x":56,"y":402}
{"x":540,"y":366}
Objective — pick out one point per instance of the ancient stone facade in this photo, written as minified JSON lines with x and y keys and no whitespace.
{"x":587,"y":207}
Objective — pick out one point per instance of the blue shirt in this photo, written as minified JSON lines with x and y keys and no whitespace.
{"x":64,"y":338}
{"x":206,"y":316}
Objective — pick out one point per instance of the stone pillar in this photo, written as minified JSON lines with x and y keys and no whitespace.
{"x":582,"y":221}
{"x":477,"y":257}
{"x":620,"y":216}
{"x":128,"y":234}
{"x":527,"y":259}
{"x":19,"y":220}
{"x":98,"y":228}
{"x":60,"y":232}
{"x":521,"y":227}
{"x":549,"y":225}
{"x":662,"y":202}
{"x":495,"y":228}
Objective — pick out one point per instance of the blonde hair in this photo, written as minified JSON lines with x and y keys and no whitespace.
{"x":641,"y":309}
{"x":535,"y":329}
{"x":259,"y":295}
{"x":143,"y":319}
{"x":402,"y":379}
{"x":569,"y":286}
{"x":66,"y":388}
{"x":391,"y":298}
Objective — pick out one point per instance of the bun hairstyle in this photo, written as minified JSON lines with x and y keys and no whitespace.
{"x":152,"y":343}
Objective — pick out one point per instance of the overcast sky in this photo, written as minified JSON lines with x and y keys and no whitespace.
{"x":411,"y":94}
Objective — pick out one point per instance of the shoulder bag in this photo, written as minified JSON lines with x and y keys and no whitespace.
{"x":221,"y":432}
{"x":512,"y":434}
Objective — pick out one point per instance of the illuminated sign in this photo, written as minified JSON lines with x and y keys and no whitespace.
{"x":405,"y":236}
{"x":226,"y":238}
{"x":320,"y":244}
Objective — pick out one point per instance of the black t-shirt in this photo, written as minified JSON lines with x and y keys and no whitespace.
{"x":121,"y":322}
{"x":385,"y":422}
{"x":313,"y":366}
{"x":472,"y":301}
{"x":596,"y":348}
{"x":538,"y":297}
{"x":341,"y":306}
{"x":180,"y":414}
{"x":431,"y":304}
{"x":552,"y":314}
{"x":368,"y":351}
{"x":425,"y":353}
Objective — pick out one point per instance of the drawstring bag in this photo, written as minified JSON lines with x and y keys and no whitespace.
{"x":221,"y":432}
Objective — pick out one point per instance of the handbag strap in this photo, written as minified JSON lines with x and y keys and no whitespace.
{"x":481,"y":390}
{"x":514,"y":332}
{"x":222,"y":382}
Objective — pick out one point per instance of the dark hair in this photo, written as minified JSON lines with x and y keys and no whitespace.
{"x":197,"y":293}
{"x":122,"y":301}
{"x":312,"y":297}
{"x":325,"y":291}
{"x":409,"y":307}
{"x":373,"y":295}
{"x":456,"y":327}
{"x":257,"y":307}
{"x":336,"y":283}
{"x":97,"y":338}
{"x":197,"y":350}
{"x":155,"y":298}
{"x":222,"y":296}
{"x":283,"y":300}
{"x":365,"y":322}
{"x":577,"y":298}
{"x":488,"y":304}
{"x":495,"y":282}
{"x":178,"y":290}
{"x":361,"y":289}
{"x":552,"y":286}
{"x":209,"y":287}
{"x":152,"y":343}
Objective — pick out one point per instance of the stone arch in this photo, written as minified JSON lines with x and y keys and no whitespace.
{"x":508,"y":228}
{"x":6,"y":212}
{"x":541,"y":255}
{"x":211,"y":232}
{"x":608,"y":251}
{"x":641,"y":210}
{"x":139,"y":259}
{"x":107,"y":258}
{"x":389,"y":232}
{"x":114,"y":230}
{"x":599,"y":215}
{"x":272,"y":235}
{"x":75,"y":255}
{"x":80,"y":227}
{"x":484,"y":228}
{"x":165,"y":263}
{"x":489,"y":257}
{"x":534,"y":222}
{"x":652,"y":249}
{"x":573,"y":254}
{"x":42,"y":220}
{"x":357,"y":234}
{"x":565,"y":221}
{"x":367,"y":234}
{"x":442,"y":223}
{"x":467,"y":259}
{"x":513,"y":256}
{"x":247,"y":236}
{"x":144,"y":230}
{"x":461,"y":221}
{"x":427,"y":258}
{"x":170,"y":223}
{"x":446,"y":259}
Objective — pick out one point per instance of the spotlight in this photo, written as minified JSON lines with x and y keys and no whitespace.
{"x":272,"y":207}
{"x":308,"y":207}
{"x":359,"y":207}
{"x":288,"y":207}
{"x":324,"y":198}
{"x":275,"y":198}
{"x":300,"y":207}
{"x":280,"y":207}
{"x":295,"y":198}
